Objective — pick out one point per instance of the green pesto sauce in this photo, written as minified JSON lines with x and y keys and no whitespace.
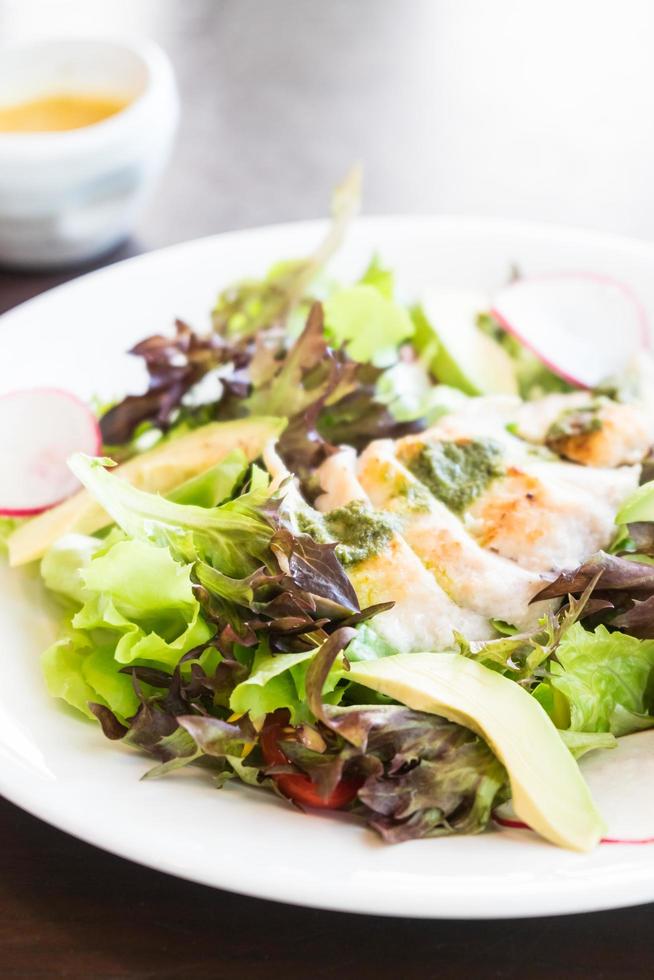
{"x":312,"y":522}
{"x":574,"y":422}
{"x":458,"y":472}
{"x":416,"y":496}
{"x":359,"y":531}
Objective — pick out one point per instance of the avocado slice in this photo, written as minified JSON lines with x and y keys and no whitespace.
{"x":549,"y":793}
{"x":157,"y":471}
{"x":462,"y":355}
{"x":639,"y":506}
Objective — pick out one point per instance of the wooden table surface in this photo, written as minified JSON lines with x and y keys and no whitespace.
{"x":451,"y":107}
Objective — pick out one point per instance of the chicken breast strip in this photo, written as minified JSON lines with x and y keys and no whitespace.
{"x":545,"y":514}
{"x":424,"y":616}
{"x":475,"y":578}
{"x":610,"y":433}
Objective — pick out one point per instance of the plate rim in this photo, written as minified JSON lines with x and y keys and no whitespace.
{"x":470,"y":223}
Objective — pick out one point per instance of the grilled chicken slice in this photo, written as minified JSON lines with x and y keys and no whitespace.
{"x":623,"y":435}
{"x":538,"y":514}
{"x":540,"y":524}
{"x":475,"y":578}
{"x":545,"y":514}
{"x":611,"y":486}
{"x":424,"y":616}
{"x":586,"y":429}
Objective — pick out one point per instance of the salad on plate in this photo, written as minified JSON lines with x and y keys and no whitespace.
{"x":370,"y":553}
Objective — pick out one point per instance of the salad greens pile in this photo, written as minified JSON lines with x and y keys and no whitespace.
{"x":190,"y":625}
{"x":215,"y":625}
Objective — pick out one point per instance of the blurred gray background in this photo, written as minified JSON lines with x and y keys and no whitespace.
{"x":537,"y":109}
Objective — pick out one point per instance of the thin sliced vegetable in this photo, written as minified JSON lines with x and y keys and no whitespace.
{"x":39,"y":429}
{"x":622,"y":783}
{"x":548,"y":790}
{"x":583,"y":327}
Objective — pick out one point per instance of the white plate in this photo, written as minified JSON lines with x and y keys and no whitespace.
{"x":65,"y":772}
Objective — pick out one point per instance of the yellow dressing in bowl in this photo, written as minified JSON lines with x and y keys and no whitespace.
{"x":59,"y":111}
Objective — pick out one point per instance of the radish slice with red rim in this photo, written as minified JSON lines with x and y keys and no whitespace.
{"x":585,"y":328}
{"x":40,"y":428}
{"x":621,"y":781}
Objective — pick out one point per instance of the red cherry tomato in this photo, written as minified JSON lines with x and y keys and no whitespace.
{"x":298,"y":787}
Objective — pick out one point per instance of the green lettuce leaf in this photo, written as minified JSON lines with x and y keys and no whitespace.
{"x":79,"y":674}
{"x":142,"y":580}
{"x":194,"y":378}
{"x":62,"y":669}
{"x":308,"y":371}
{"x":330,"y":399}
{"x":233,"y":537}
{"x":270,"y":685}
{"x":246,"y":307}
{"x":134,"y":603}
{"x":368,"y":645}
{"x":64,"y":564}
{"x":142,"y":597}
{"x":279,"y":681}
{"x":378,"y":276}
{"x":102,"y":673}
{"x":605,"y":678}
{"x":215,"y":485}
{"x":370,"y":325}
{"x":580,"y":743}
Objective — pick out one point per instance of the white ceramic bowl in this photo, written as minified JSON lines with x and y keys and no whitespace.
{"x":68,"y":196}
